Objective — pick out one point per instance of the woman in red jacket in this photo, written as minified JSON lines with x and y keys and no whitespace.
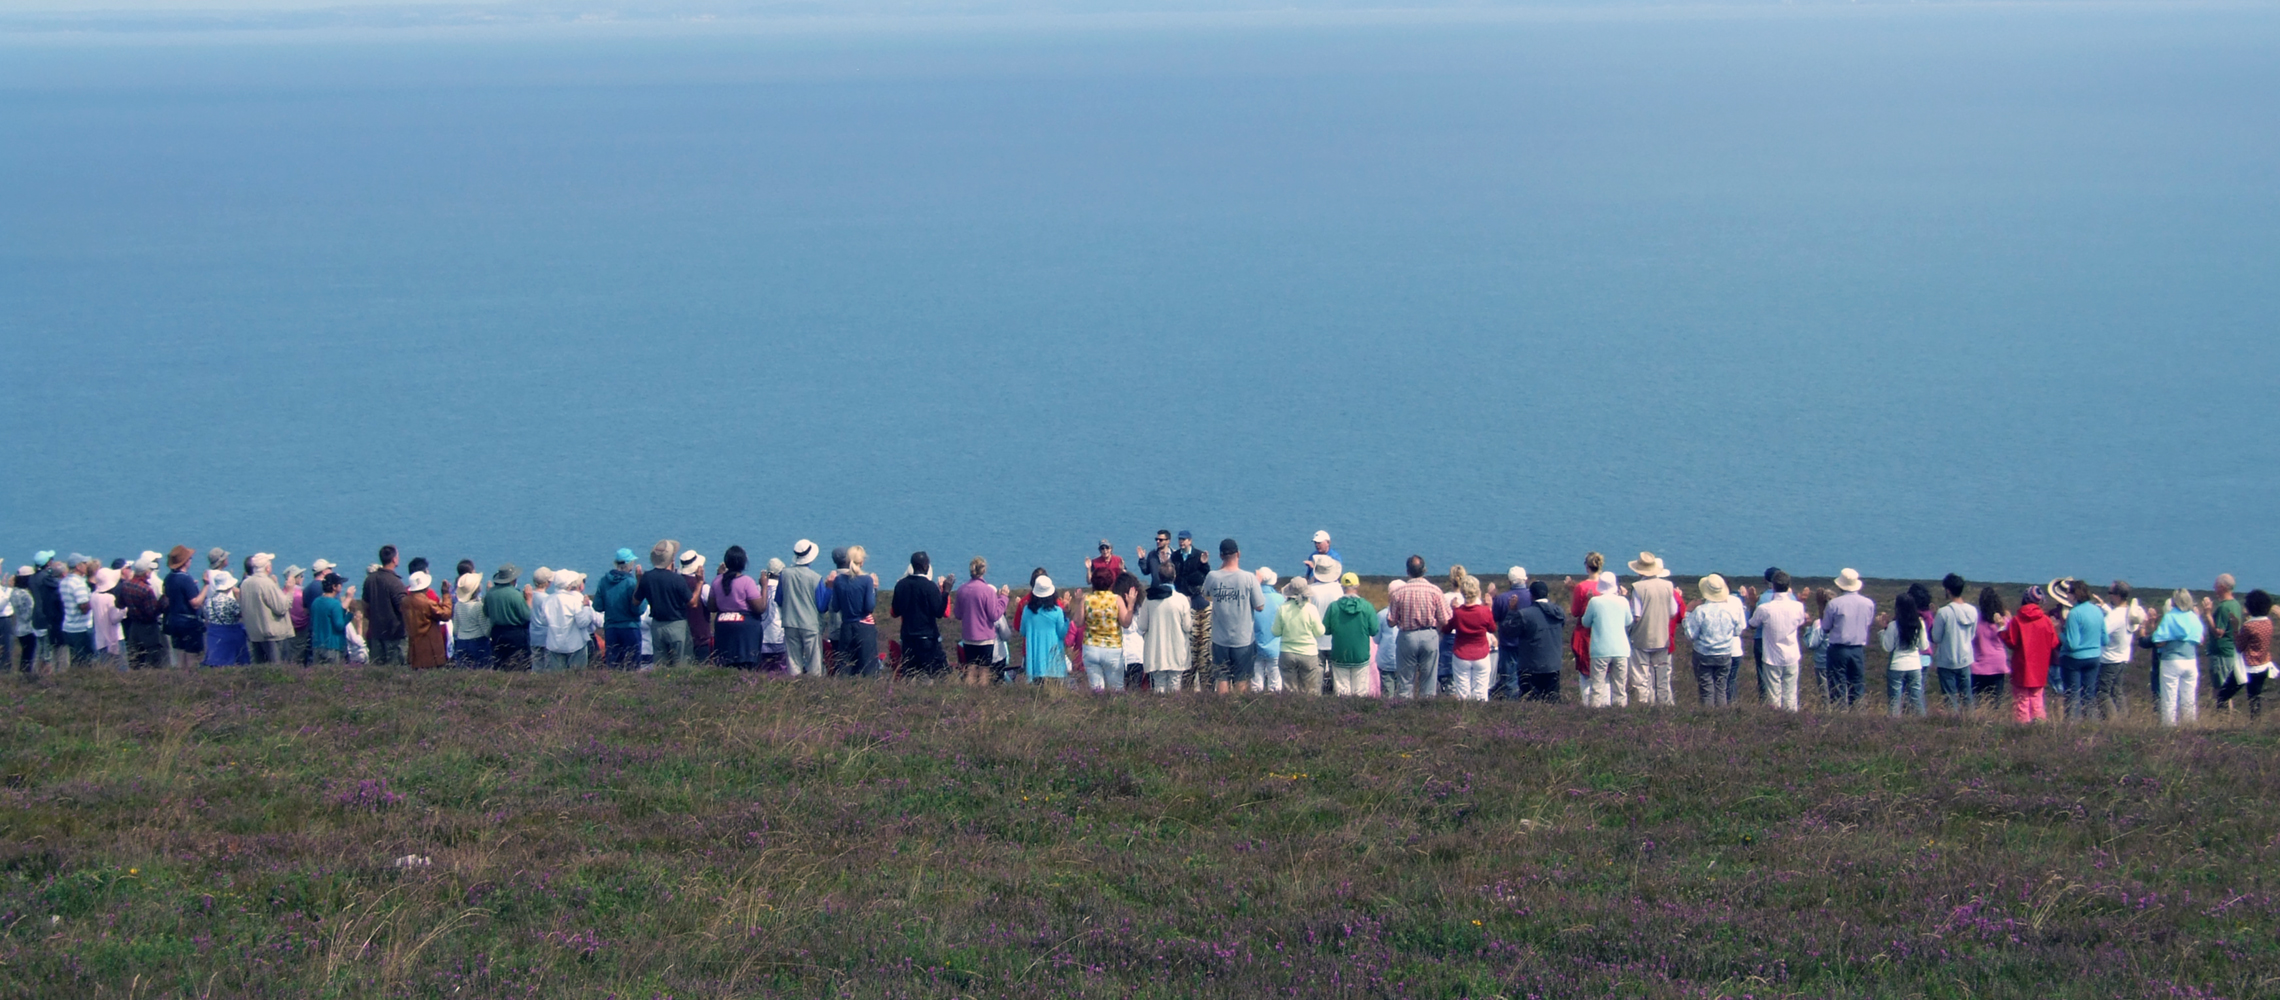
{"x":2030,"y":638}
{"x":1580,"y":641}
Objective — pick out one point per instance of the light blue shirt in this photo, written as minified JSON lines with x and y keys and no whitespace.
{"x":2086,"y":632}
{"x":1263,"y":624}
{"x":1608,"y":616}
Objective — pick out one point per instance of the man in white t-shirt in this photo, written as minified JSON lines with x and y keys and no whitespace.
{"x":1777,"y":619}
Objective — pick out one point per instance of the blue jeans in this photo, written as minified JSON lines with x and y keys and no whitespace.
{"x":1955,"y":688}
{"x":2081,"y":685}
{"x":624,"y":641}
{"x":1905,"y":689}
{"x":1848,"y":675}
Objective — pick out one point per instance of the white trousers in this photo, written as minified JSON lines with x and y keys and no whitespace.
{"x":1471,"y":678}
{"x":2180,"y":690}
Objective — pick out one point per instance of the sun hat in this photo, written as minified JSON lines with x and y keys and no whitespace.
{"x":105,"y":579}
{"x":1267,"y":577}
{"x":775,"y":565}
{"x":1713,"y":588}
{"x":1043,"y":587}
{"x":1349,"y":580}
{"x":323,"y":566}
{"x":148,"y":561}
{"x":222,"y":581}
{"x":692,"y":561}
{"x":1607,"y":583}
{"x":1647,"y":564}
{"x":419,"y":581}
{"x":1321,"y":536}
{"x":469,"y":583}
{"x":1848,"y":580}
{"x":1324,"y":567}
{"x":2061,"y":590}
{"x":625,"y":557}
{"x":505,"y":575}
{"x":293,"y":571}
{"x":217,"y":557}
{"x":803,"y":552}
{"x":178,"y":556}
{"x":1516,"y":576}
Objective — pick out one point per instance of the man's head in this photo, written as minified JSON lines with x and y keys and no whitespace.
{"x":661,"y":554}
{"x":179,"y":557}
{"x":388,"y":557}
{"x":1416,"y":567}
{"x":1229,"y":551}
{"x":2225,"y":585}
{"x":259,"y":562}
{"x":1321,"y":541}
{"x":1954,"y":585}
{"x":1516,"y":576}
{"x":921,"y":564}
{"x":622,"y":559}
{"x":1106,"y":548}
{"x":1187,"y":540}
{"x":466,"y":566}
{"x":1538,"y":590}
{"x":1163,"y":538}
{"x":1779,"y":580}
{"x":418,"y":564}
{"x":2118,"y":592}
{"x":839,"y":557}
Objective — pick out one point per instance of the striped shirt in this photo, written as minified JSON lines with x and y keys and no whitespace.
{"x":1417,"y":605}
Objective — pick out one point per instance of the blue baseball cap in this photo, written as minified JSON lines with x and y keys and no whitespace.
{"x":624,"y":555}
{"x":1186,"y":534}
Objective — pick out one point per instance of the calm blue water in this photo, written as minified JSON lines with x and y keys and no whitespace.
{"x":1990,"y":291}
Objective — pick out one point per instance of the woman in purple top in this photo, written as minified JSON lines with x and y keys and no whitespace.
{"x":1990,"y":663}
{"x":736,"y":630}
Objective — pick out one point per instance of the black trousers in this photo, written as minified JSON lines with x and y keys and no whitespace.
{"x":510,"y":647}
{"x":1540,"y":687}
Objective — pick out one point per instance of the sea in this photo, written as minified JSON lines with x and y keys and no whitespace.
{"x":1908,"y":288}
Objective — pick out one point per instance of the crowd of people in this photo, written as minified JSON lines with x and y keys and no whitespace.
{"x":1173,"y":619}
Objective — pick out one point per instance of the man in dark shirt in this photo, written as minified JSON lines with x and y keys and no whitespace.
{"x":1160,"y":567}
{"x":139,"y":605}
{"x":183,"y":597}
{"x":509,"y":614}
{"x":669,"y":597}
{"x":383,"y":595}
{"x":920,"y":601}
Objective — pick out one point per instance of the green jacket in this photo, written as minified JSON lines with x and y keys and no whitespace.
{"x":1351,"y":622}
{"x":2226,"y":619}
{"x":505,"y":607}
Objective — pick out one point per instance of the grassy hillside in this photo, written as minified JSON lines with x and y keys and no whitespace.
{"x":700,"y":833}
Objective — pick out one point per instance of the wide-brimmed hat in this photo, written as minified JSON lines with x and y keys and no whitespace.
{"x":1268,"y":577}
{"x":1713,"y":588}
{"x":179,"y":556}
{"x":505,"y":575}
{"x":419,"y":581}
{"x":148,"y":561}
{"x":293,"y":571}
{"x":1649,"y":564}
{"x":469,"y":583}
{"x":221,"y":581}
{"x":105,"y":579}
{"x":1848,"y":580}
{"x":1042,"y":587}
{"x":803,"y":552}
{"x":1606,"y":583}
{"x":217,"y":557}
{"x":1324,"y":568}
{"x":692,"y":561}
{"x":2061,"y":590}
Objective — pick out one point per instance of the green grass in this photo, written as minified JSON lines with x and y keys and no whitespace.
{"x":700,"y":833}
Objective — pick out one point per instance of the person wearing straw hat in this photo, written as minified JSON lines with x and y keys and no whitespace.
{"x":795,"y":597}
{"x":1044,"y":635}
{"x":1846,"y":624}
{"x":265,"y":610}
{"x":427,"y":624}
{"x":1655,"y":608}
{"x":470,"y":625}
{"x":1715,"y":627}
{"x":1325,"y":585}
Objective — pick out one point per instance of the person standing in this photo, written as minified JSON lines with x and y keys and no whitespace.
{"x":691,"y":566}
{"x":618,"y":597}
{"x":1322,"y":549}
{"x":1193,"y":569}
{"x":565,"y":617}
{"x":1846,"y":624}
{"x":2125,"y":621}
{"x":2085,"y":645}
{"x":2225,"y":614}
{"x":1325,"y":585}
{"x":1579,"y":642}
{"x":919,"y":603}
{"x":1166,"y":627}
{"x":1235,"y":598}
{"x":854,"y":597}
{"x":978,"y":607}
{"x":736,"y":599}
{"x":1105,"y":615}
{"x":508,"y":614}
{"x":1954,"y":635}
{"x":1990,"y":659}
{"x":772,"y":658}
{"x":669,"y":598}
{"x":470,"y":625}
{"x":1537,"y":639}
{"x":184,"y":596}
{"x":1159,"y":568}
{"x":1608,"y":616}
{"x":2177,"y":651}
{"x":2029,"y":639}
{"x":225,"y":623}
{"x":1266,"y":647}
{"x":1349,"y":626}
{"x":795,"y":600}
{"x":383,"y":594}
{"x":1297,"y":629}
{"x":328,"y":623}
{"x":1416,"y":608}
{"x":75,"y":627}
{"x":1777,"y":619}
{"x":1654,"y":610}
{"x":1509,"y":652}
{"x":1044,"y":635}
{"x":1715,"y":628}
{"x":1107,"y":561}
{"x":2253,"y":640}
{"x":266,"y":611}
{"x":143,"y":612}
{"x":1908,"y":641}
{"x":109,"y":631}
{"x":427,"y":624}
{"x":1473,"y":625}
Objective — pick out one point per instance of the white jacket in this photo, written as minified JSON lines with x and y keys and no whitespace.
{"x":1165,"y":628}
{"x":568,"y":619}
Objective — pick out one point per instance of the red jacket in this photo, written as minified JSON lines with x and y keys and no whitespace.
{"x":2031,"y":638}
